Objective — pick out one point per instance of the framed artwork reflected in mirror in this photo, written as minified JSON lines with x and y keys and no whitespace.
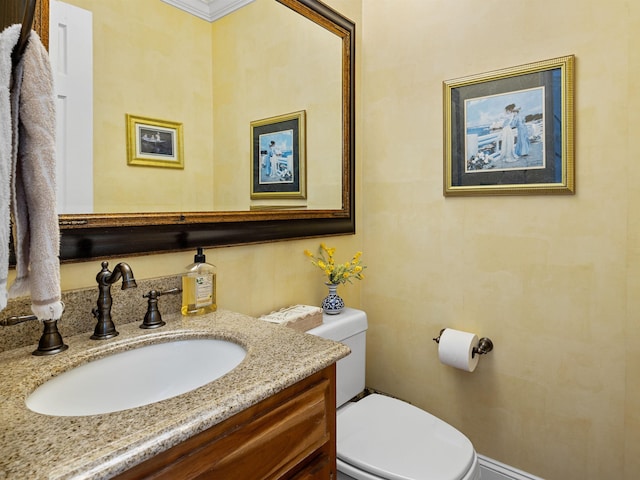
{"x":278,"y":157}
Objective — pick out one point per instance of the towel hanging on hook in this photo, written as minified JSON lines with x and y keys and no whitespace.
{"x":33,"y":195}
{"x":27,"y":169}
{"x":25,"y":31}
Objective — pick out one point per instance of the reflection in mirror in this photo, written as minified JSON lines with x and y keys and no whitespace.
{"x":208,"y":202}
{"x":260,"y":61}
{"x":296,"y":68}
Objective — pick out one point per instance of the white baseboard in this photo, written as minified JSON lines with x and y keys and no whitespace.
{"x":493,"y":470}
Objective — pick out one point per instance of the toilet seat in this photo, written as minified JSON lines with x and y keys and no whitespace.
{"x":389,"y":439}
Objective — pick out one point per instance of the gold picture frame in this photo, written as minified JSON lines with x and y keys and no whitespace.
{"x":278,"y":157}
{"x":154,"y":143}
{"x":511,"y":131}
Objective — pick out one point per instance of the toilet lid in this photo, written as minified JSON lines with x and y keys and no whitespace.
{"x":397,"y":441}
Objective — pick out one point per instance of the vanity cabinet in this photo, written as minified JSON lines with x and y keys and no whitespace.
{"x":290,"y":435}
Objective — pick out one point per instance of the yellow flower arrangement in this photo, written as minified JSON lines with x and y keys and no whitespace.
{"x":337,"y":273}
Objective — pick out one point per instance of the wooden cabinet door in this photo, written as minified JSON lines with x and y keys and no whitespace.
{"x":288,"y":435}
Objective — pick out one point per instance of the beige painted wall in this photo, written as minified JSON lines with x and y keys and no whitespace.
{"x":552,"y":280}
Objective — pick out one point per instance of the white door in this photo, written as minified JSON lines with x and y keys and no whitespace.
{"x":71,"y":53}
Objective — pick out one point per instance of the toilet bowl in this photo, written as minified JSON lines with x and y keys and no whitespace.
{"x":383,"y":438}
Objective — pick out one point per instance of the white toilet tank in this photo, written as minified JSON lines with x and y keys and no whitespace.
{"x":348,"y":327}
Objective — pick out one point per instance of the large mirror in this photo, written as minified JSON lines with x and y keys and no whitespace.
{"x":242,"y":74}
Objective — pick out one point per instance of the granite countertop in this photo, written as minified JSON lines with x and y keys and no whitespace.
{"x":37,"y":446}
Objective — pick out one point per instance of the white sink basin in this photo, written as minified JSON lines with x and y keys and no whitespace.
{"x":136,"y":377}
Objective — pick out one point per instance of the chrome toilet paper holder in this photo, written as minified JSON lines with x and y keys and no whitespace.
{"x":485,"y":345}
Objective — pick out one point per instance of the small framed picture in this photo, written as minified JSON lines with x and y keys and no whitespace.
{"x":278,"y":157}
{"x":154,"y":143}
{"x":510,"y":131}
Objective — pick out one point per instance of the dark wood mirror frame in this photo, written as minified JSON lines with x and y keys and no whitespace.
{"x":90,"y":236}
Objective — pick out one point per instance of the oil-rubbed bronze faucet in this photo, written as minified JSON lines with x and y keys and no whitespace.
{"x":105,"y":327}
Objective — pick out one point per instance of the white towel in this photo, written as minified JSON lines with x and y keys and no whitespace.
{"x":8,"y":39}
{"x":33,"y":201}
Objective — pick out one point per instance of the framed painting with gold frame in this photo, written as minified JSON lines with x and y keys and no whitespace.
{"x":278,"y":157}
{"x":154,"y":143}
{"x":510,"y":131}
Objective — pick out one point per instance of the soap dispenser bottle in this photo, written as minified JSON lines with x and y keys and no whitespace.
{"x":199,"y":286}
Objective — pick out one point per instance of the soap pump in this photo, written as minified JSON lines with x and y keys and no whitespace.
{"x":199,"y":286}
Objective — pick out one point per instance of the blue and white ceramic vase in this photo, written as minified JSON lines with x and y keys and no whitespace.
{"x":332,"y":303}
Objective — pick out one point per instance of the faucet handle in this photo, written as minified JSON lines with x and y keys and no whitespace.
{"x":152,"y":318}
{"x":50,"y":341}
{"x":17,"y":319}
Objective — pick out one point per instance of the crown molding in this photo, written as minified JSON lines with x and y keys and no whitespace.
{"x":209,"y":10}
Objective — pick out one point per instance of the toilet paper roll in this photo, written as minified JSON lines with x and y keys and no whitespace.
{"x":456,"y":349}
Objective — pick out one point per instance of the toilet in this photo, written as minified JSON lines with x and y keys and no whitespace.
{"x":383,"y":438}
